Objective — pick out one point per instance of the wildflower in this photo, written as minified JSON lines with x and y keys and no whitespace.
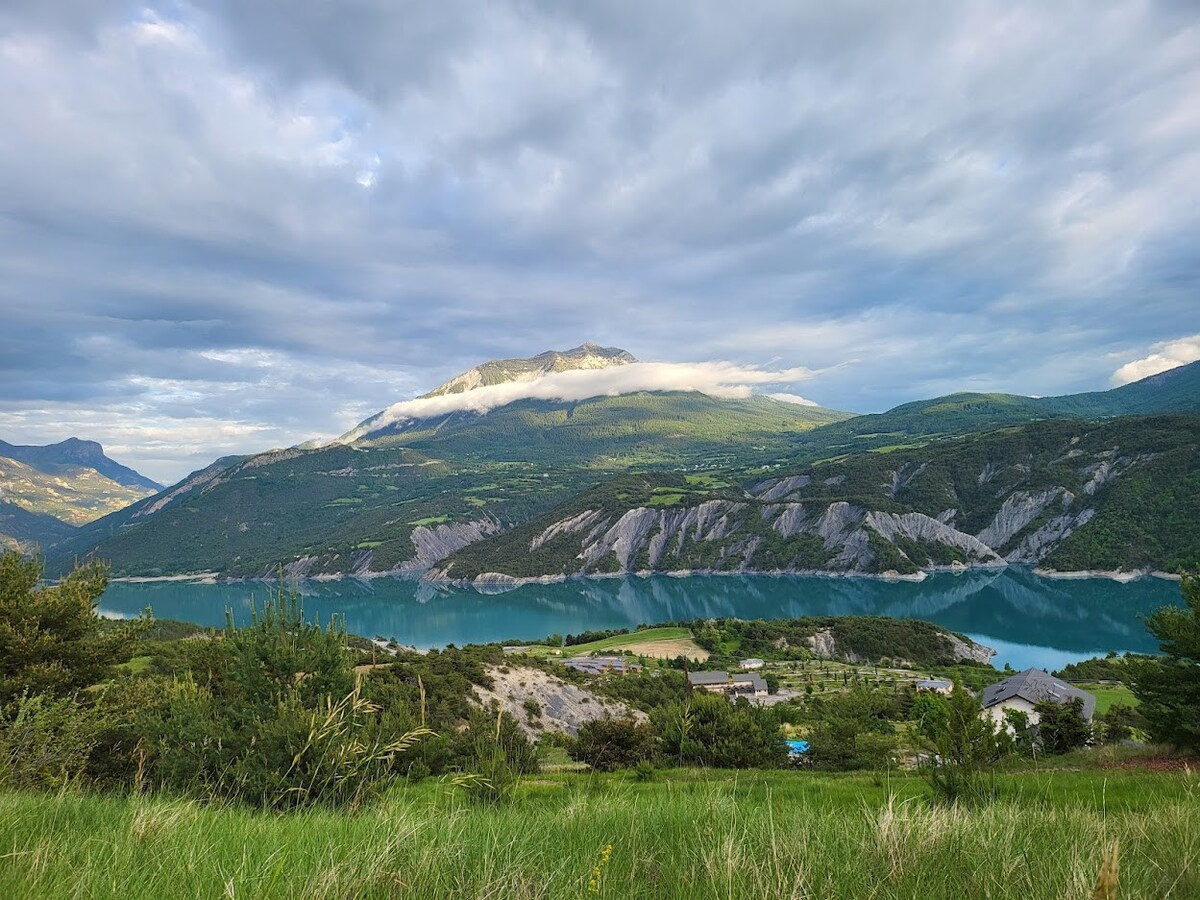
{"x":597,"y":879}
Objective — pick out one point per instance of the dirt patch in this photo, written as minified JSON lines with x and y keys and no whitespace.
{"x":561,"y":706}
{"x":666,"y":649}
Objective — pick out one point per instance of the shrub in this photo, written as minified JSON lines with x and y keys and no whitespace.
{"x":1118,"y":723}
{"x":851,"y":731}
{"x":493,"y":752}
{"x":494,"y":728}
{"x":45,"y":742}
{"x":1061,"y":727}
{"x":962,"y":752}
{"x":1169,"y":689}
{"x":708,"y":730}
{"x":608,"y":743}
{"x":271,"y":715}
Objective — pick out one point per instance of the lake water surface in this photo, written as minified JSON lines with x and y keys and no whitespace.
{"x":1028,"y":620}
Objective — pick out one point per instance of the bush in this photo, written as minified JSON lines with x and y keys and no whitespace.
{"x":494,"y":753}
{"x":708,"y":730}
{"x":45,"y":742}
{"x":271,"y":715}
{"x":1169,"y":689}
{"x":494,"y":728}
{"x":608,"y":743}
{"x":851,"y":730}
{"x":1061,"y":727}
{"x":960,"y":755}
{"x":1118,"y":723}
{"x":645,"y":689}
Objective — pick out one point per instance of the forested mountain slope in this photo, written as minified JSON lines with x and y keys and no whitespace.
{"x":1123,"y":494}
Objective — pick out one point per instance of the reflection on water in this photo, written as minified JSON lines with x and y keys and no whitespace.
{"x":1027,"y":619}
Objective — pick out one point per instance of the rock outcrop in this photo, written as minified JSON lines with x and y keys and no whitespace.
{"x":561,"y":706}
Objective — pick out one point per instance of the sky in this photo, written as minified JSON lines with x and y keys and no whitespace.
{"x":229,"y":226}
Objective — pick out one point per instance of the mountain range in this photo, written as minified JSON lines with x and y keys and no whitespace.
{"x":668,"y":480}
{"x":47,"y":491}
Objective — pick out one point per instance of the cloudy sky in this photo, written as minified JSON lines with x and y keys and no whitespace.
{"x":238,"y":224}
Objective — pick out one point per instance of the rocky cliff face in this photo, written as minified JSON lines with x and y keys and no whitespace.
{"x":824,"y":645}
{"x":985,"y":502}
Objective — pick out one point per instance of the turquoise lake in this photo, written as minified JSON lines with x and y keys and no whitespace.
{"x":1028,"y":620}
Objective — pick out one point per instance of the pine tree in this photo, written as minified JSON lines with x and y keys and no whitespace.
{"x":52,"y":643}
{"x":1169,"y":689}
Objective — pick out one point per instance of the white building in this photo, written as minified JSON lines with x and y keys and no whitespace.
{"x":937,"y":686}
{"x":752,"y":664}
{"x":1022,"y":692}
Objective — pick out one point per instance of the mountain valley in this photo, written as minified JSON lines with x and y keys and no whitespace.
{"x":681,"y":480}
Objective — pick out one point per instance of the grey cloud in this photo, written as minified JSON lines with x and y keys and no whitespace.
{"x":378,"y":195}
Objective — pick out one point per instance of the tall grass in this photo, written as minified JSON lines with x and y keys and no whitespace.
{"x":691,"y":834}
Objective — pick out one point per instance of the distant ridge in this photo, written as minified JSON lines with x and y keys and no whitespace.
{"x":73,"y":452}
{"x":1173,"y":391}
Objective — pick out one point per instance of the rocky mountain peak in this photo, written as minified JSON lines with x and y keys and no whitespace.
{"x":587,"y":355}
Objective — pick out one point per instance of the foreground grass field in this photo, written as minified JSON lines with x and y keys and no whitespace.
{"x":688,"y":834}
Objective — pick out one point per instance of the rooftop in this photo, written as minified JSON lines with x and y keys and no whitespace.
{"x":702,"y":678}
{"x":1034,"y":686}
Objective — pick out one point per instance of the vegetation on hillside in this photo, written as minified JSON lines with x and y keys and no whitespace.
{"x":1116,"y":495}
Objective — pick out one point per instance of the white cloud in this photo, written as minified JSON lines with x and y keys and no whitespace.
{"x":717,"y":379}
{"x":1163,"y":355}
{"x":793,"y":398}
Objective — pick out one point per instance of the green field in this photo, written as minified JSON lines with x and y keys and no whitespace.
{"x":1107,"y":695}
{"x":687,"y":834}
{"x":613,"y":643}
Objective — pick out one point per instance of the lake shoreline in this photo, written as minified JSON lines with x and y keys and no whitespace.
{"x":497,"y":582}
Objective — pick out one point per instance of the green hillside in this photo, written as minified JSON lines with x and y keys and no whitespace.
{"x":1123,"y":494}
{"x":643,"y":429}
{"x":24,"y":530}
{"x":1175,"y":391}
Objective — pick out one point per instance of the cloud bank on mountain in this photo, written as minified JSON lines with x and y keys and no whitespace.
{"x":716,"y":379}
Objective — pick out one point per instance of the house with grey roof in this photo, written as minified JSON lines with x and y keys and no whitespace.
{"x":1026,"y":689}
{"x":709,"y":681}
{"x":739,"y":684}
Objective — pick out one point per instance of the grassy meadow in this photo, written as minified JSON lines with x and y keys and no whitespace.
{"x":685,"y":834}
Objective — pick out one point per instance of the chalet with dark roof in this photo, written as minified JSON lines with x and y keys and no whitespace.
{"x":1026,"y":689}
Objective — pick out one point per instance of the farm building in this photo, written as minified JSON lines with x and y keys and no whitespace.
{"x":737,"y":685}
